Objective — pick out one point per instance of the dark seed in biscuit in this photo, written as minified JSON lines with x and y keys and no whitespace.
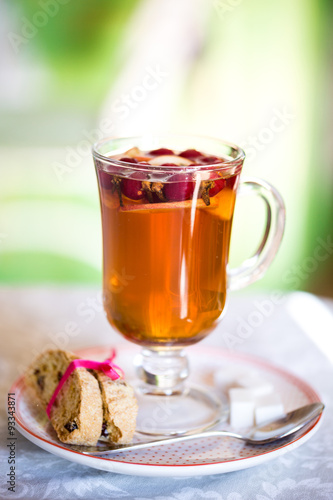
{"x":104,"y":430}
{"x":71,"y":426}
{"x":41,"y":382}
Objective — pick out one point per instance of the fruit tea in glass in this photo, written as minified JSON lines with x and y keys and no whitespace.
{"x":167,"y":206}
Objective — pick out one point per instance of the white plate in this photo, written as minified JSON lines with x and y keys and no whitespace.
{"x":197,"y":457}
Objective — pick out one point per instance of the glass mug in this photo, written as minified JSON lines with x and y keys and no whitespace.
{"x":166,"y":236}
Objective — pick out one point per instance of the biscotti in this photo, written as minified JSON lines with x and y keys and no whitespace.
{"x":119,"y":409}
{"x":90,"y":405}
{"x":77,"y":414}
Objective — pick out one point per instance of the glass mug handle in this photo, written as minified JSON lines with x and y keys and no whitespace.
{"x":255,"y":267}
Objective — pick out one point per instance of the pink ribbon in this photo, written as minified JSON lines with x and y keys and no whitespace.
{"x":105,"y":366}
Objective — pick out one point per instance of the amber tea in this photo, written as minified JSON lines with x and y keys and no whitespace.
{"x":165,"y":246}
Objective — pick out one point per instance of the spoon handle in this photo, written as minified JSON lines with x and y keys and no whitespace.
{"x":155,"y":442}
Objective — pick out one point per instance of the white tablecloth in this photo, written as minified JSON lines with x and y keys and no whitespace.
{"x":31,"y":318}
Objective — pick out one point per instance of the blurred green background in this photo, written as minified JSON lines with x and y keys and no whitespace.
{"x":255,"y":73}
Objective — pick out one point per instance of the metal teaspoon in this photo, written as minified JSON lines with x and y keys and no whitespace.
{"x":267,"y":432}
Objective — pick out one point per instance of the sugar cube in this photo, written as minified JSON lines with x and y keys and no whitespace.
{"x":226,"y":377}
{"x":268,"y":407}
{"x":255,"y":384}
{"x":241,"y":407}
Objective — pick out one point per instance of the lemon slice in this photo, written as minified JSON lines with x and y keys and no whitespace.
{"x":176,"y":160}
{"x":175,"y":205}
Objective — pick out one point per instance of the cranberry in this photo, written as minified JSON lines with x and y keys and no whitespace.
{"x":169,"y":165}
{"x":161,"y":151}
{"x":180,"y":190}
{"x":105,"y":179}
{"x":132,"y":187}
{"x":231,"y":181}
{"x":129,"y":160}
{"x":208,"y":160}
{"x":219,"y":184}
{"x":191,"y":154}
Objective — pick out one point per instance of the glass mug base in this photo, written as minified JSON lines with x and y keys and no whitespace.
{"x":194,"y":410}
{"x":168,"y":406}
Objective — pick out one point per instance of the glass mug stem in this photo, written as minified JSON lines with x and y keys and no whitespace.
{"x":164,"y":371}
